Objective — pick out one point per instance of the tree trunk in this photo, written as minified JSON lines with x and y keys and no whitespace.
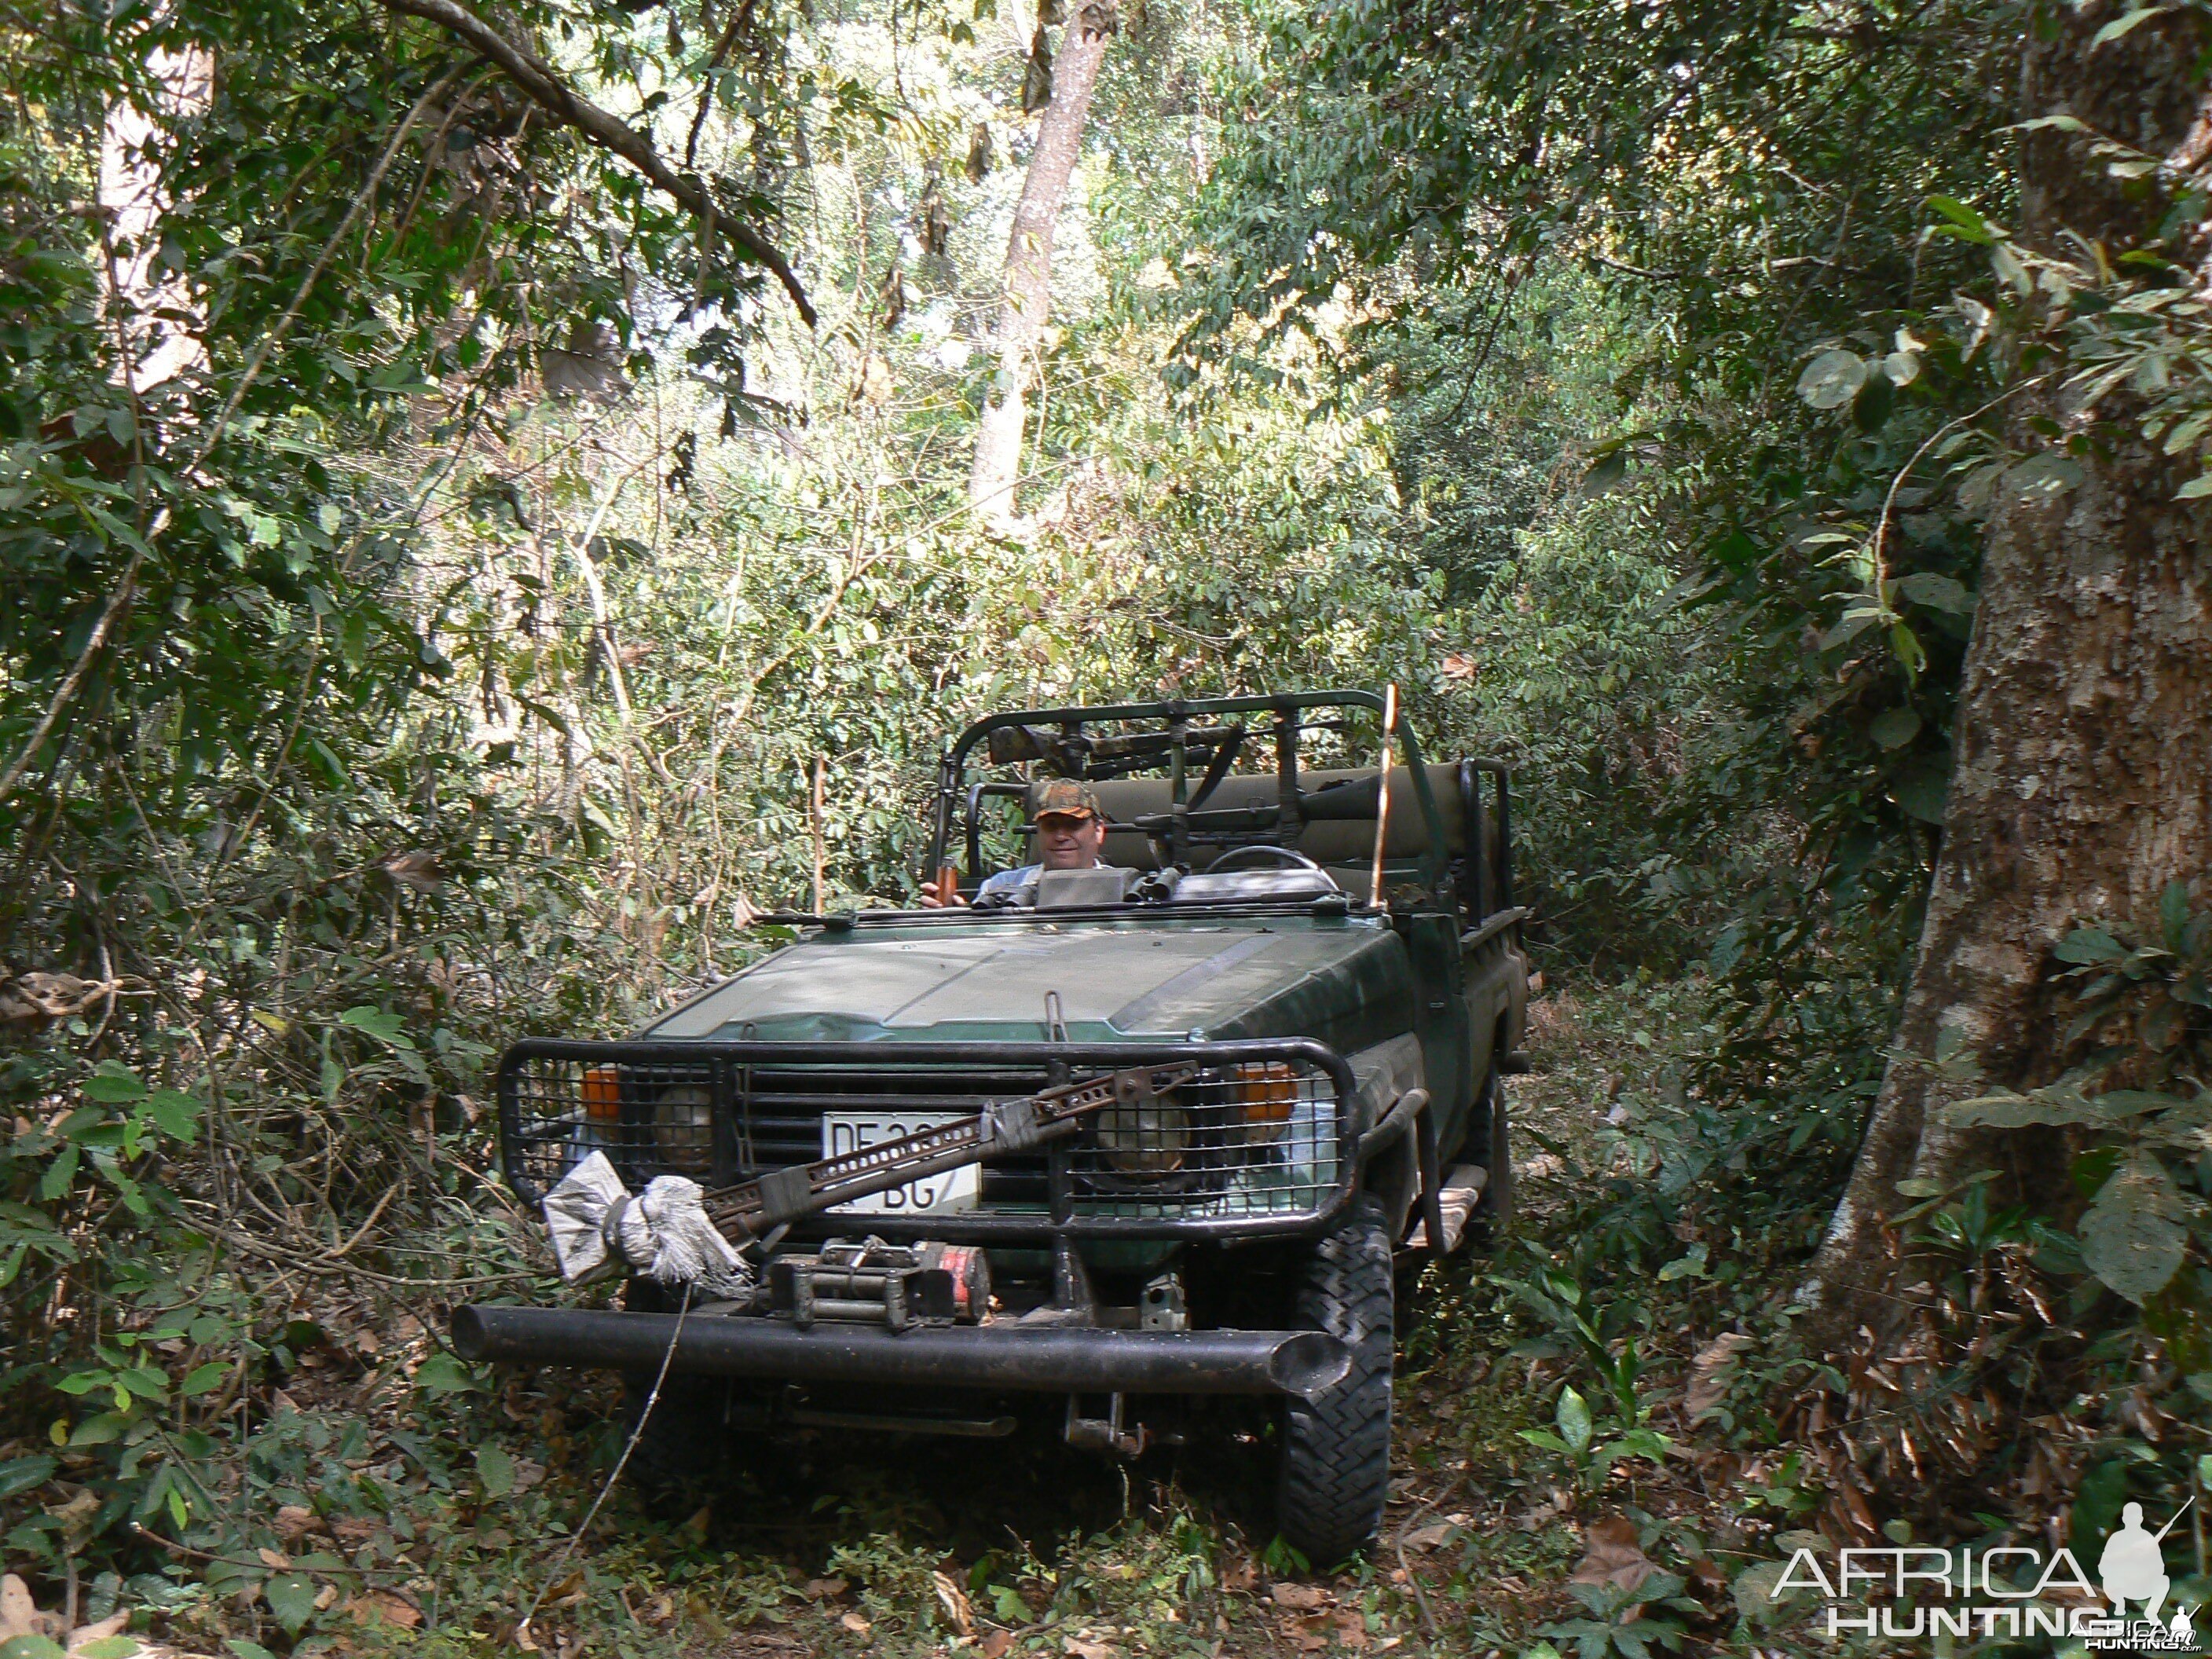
{"x":1026,"y":291}
{"x":2081,"y":786}
{"x":150,"y":307}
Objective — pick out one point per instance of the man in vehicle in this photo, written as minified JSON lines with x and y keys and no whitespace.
{"x":1070,"y":829}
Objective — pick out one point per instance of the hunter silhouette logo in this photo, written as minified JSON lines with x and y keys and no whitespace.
{"x":2133,"y":1568}
{"x":2006,"y":1590}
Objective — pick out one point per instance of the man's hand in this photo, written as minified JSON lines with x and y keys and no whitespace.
{"x":944,"y":893}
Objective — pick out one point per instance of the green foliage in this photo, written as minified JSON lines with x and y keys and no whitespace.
{"x":1629,"y":1622}
{"x":1578,"y":666}
{"x":473,"y":615}
{"x":1577,"y":1441}
{"x":2142,"y":1004}
{"x":444,"y":699}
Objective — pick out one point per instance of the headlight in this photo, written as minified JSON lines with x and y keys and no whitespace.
{"x":1143,"y":1134}
{"x":683,"y":1126}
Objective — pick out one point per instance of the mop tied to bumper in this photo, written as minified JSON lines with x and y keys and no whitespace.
{"x":598,"y":1227}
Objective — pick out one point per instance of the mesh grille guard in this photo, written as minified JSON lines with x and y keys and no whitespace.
{"x":1261,"y":1140}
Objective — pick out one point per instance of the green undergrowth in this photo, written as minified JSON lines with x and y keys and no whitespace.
{"x":369,"y":1493}
{"x":1606,"y":1437}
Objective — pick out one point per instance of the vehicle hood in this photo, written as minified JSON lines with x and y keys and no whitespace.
{"x":1346,"y":982}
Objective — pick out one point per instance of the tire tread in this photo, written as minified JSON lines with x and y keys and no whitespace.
{"x":1335,"y":1470}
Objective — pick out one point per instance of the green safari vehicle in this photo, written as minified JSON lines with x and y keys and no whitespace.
{"x":1214,"y":1095}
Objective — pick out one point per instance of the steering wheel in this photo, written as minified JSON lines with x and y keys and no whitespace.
{"x":1291,"y":859}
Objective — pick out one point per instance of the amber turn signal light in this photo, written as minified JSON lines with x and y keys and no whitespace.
{"x":603,"y":1095}
{"x":1267,"y":1093}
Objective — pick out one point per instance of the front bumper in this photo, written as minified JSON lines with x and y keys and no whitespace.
{"x":1002,"y":1356}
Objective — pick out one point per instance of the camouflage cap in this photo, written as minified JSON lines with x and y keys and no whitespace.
{"x":1067,"y":798}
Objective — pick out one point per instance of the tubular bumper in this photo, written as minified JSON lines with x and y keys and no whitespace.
{"x":1056,"y":1360}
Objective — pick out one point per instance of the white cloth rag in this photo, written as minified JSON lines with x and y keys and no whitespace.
{"x":664,"y":1233}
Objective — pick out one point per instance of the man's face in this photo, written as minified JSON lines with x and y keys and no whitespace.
{"x":1069,"y":840}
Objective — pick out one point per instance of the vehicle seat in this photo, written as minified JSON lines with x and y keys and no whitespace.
{"x":1344,"y":843}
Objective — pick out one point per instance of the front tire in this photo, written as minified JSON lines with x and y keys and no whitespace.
{"x":1335,"y":1469}
{"x":680,"y":1460}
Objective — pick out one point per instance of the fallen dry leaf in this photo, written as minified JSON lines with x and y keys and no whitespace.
{"x":1300,"y":1598}
{"x":295,"y":1522}
{"x":1079,"y":1646}
{"x":274,"y":1559}
{"x":1615,"y":1556}
{"x":1312,"y":1631}
{"x":996,"y":1644}
{"x":355,"y":1529}
{"x":1538,"y":1514}
{"x":823,"y":1589}
{"x":854,"y":1623}
{"x":1243,"y":1574}
{"x":33,"y":1000}
{"x":19,"y":1613}
{"x":954,"y":1600}
{"x":1429,"y":1537}
{"x":111,"y":1626}
{"x":77,"y":1517}
{"x":1712,"y":1371}
{"x":382,"y":1606}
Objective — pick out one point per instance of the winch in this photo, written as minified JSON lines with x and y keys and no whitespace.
{"x":875,"y":1283}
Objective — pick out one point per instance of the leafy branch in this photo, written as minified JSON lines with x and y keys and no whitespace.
{"x":544,"y":85}
{"x":2151,"y":998}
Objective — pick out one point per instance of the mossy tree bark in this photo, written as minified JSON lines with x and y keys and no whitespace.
{"x":2082,"y":786}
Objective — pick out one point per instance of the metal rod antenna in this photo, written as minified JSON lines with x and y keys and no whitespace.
{"x":1383,"y":793}
{"x":814,"y":819}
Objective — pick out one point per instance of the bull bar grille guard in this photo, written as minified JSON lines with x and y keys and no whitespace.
{"x":1263,"y":1141}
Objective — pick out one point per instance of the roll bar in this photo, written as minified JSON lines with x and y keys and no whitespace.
{"x":1076,"y":753}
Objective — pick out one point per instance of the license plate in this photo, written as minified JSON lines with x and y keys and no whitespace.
{"x":948,"y":1190}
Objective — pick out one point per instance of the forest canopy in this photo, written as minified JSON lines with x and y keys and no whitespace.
{"x":496,"y":499}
